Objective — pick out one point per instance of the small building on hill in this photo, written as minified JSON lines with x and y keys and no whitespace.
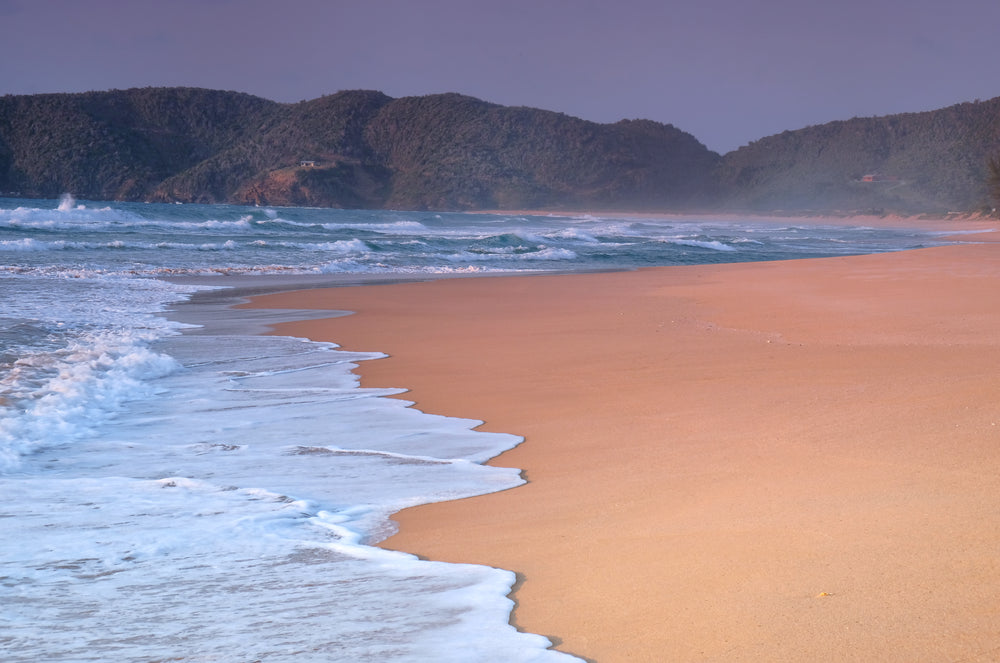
{"x":307,"y":163}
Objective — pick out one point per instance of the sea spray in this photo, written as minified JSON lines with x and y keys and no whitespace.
{"x":66,"y":202}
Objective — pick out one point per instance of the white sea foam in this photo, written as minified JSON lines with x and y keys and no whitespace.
{"x":97,"y":219}
{"x":340,"y":246}
{"x":248,"y":489}
{"x":30,"y":244}
{"x":350,"y":266}
{"x":396,"y":227}
{"x":243,"y":223}
{"x":941,"y":233}
{"x":55,"y":398}
{"x":95,"y":358}
{"x":573,"y":234}
{"x":278,"y":221}
{"x":618,"y":229}
{"x":552,"y":254}
{"x":194,"y":489}
{"x":703,"y":244}
{"x":66,"y":203}
{"x":512,"y":254}
{"x":528,"y":236}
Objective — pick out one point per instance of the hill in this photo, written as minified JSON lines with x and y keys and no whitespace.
{"x":350,"y":149}
{"x":933,"y":161}
{"x":119,"y":145}
{"x":363,"y":149}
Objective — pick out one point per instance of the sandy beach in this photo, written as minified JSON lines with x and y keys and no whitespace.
{"x":781,"y":461}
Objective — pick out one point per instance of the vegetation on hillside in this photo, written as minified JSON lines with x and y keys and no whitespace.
{"x":920,"y":162}
{"x":993,"y":181}
{"x":118,"y":144}
{"x":363,"y":149}
{"x":451,"y":151}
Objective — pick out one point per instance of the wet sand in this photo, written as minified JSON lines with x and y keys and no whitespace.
{"x":787,"y":461}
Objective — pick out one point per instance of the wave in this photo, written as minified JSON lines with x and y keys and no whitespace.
{"x":545,"y":253}
{"x":573,"y":234}
{"x":396,"y":227}
{"x":85,"y":219}
{"x":30,"y":244}
{"x":339,"y":246}
{"x":66,"y":202}
{"x":715,"y":245}
{"x":97,"y":219}
{"x":204,"y":486}
{"x":134,"y":238}
{"x":353,"y":267}
{"x":77,"y":218}
{"x":528,"y":236}
{"x":56,"y":397}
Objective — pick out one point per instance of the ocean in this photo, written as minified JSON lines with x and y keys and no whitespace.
{"x":195,"y":492}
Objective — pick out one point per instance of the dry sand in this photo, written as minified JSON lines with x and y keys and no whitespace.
{"x":789,"y":461}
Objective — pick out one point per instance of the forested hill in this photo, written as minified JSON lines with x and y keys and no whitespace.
{"x":351,"y":149}
{"x":363,"y":149}
{"x":933,"y":161}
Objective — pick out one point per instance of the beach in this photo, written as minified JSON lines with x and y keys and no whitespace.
{"x":771,"y":461}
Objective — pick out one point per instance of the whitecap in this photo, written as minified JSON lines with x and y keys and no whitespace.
{"x":573,"y":234}
{"x":703,"y":244}
{"x":543,"y":253}
{"x":30,"y":244}
{"x":66,"y":203}
{"x":403,"y":227}
{"x":57,"y":397}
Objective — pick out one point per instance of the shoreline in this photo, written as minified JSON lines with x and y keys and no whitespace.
{"x":889,"y":219}
{"x":802,"y":461}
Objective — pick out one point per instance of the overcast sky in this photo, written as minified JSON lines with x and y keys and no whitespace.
{"x":727,"y":71}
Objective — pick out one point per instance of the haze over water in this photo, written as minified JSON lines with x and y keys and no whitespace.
{"x":211,"y":495}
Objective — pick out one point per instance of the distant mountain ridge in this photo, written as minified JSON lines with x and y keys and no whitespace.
{"x":364,"y":149}
{"x":934,"y":161}
{"x":350,"y":149}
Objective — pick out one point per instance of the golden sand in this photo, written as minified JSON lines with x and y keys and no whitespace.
{"x":787,"y":461}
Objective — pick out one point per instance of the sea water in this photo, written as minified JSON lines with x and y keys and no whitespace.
{"x":172,"y":492}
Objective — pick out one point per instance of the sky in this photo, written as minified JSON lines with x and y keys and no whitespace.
{"x":727,"y":71}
